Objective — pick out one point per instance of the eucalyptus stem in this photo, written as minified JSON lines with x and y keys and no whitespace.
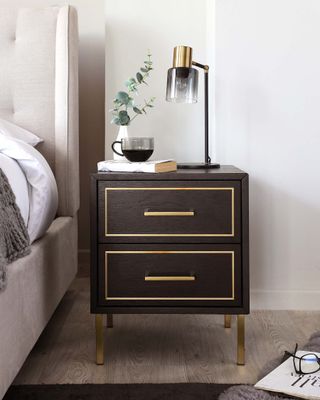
{"x":124,"y":100}
{"x":143,"y":109}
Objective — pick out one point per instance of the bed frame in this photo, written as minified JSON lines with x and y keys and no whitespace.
{"x":39,"y":91}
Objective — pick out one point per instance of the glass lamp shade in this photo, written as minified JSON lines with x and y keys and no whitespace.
{"x":182,"y":85}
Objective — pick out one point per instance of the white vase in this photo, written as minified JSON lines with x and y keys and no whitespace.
{"x":123,"y":133}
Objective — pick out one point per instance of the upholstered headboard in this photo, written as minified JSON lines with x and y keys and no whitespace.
{"x":39,"y":87}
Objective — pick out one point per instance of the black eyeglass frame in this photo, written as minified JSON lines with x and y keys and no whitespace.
{"x":299,"y":371}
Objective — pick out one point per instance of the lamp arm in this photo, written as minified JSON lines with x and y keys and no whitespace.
{"x":202,"y":66}
{"x":207,"y":158}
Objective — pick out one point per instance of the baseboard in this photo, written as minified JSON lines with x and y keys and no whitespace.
{"x":84,"y":256}
{"x":285,"y":300}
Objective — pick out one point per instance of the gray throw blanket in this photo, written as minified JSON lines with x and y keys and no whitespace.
{"x":14,"y":237}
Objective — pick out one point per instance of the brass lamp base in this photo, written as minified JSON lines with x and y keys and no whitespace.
{"x":198,"y":166}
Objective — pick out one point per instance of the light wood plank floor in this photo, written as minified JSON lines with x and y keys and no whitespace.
{"x":158,"y":348}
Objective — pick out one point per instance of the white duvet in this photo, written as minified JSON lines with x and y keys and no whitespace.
{"x":32,"y":182}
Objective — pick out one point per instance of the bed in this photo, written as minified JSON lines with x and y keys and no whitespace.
{"x":39,"y":92}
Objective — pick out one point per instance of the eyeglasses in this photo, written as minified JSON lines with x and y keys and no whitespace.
{"x":307,"y":364}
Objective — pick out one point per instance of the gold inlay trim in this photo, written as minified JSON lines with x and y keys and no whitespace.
{"x":170,"y":252}
{"x":231,"y":234}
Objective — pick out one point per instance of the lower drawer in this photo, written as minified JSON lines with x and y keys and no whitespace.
{"x":160,"y":276}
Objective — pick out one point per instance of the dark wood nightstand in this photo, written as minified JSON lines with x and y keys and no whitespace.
{"x":172,"y":243}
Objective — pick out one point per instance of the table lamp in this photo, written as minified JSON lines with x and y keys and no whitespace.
{"x":182,"y":87}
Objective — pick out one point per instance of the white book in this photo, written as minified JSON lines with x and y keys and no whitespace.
{"x":284,"y":379}
{"x":147,"y":166}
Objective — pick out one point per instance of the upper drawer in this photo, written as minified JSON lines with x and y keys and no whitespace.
{"x":169,"y":211}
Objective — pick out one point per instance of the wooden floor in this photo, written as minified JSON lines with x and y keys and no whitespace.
{"x":158,"y":348}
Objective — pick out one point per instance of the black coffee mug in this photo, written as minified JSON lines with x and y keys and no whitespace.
{"x":135,"y":149}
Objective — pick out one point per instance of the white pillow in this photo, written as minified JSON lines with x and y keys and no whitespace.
{"x":12,"y":130}
{"x":43,"y":195}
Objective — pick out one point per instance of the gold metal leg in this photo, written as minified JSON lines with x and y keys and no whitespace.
{"x":227,"y":321}
{"x":99,"y":340}
{"x":109,"y":320}
{"x":241,"y":340}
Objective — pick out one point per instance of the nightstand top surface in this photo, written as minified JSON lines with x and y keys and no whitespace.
{"x":225,"y":172}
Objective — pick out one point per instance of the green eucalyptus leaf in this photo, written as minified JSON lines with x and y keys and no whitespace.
{"x":143,"y":69}
{"x":131,"y":103}
{"x":139,"y":77}
{"x":124,"y":117}
{"x":123,"y":97}
{"x":130,"y":82}
{"x":115,"y":120}
{"x":137,"y":110}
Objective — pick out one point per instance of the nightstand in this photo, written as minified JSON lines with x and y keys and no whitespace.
{"x":172,"y":243}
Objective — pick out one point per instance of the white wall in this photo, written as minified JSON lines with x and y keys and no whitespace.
{"x":268,"y":123}
{"x":131,"y":28}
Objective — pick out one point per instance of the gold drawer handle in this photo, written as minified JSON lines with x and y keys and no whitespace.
{"x":169,"y":213}
{"x":169,"y":278}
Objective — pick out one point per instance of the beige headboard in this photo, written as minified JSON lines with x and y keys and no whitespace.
{"x":39,"y":87}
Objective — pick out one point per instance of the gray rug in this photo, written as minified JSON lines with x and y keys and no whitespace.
{"x":176,"y":391}
{"x":246,"y":392}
